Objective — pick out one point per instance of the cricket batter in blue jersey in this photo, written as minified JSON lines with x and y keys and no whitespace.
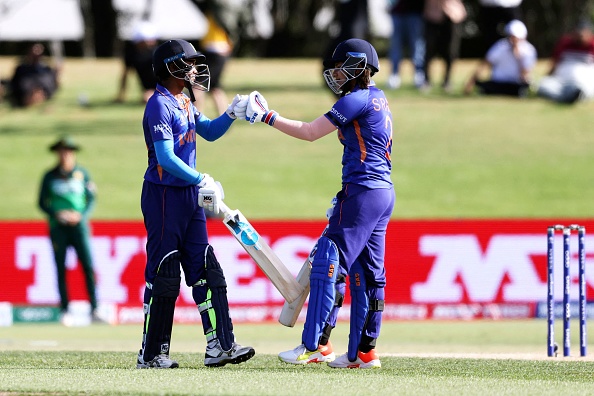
{"x":173,"y":197}
{"x":354,"y":243}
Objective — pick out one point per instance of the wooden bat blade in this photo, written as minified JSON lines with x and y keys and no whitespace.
{"x":263,"y":255}
{"x":291,"y":311}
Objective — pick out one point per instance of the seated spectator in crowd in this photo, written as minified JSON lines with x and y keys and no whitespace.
{"x":572,"y":74}
{"x":33,"y":81}
{"x":138,"y":57}
{"x":511,"y":60}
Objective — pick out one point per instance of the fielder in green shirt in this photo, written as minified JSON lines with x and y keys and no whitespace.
{"x":67,"y":196}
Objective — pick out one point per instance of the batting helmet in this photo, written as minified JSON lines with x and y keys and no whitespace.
{"x":178,"y":58}
{"x":355,"y":55}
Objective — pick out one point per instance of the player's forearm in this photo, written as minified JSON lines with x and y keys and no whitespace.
{"x":309,"y":131}
{"x":211,"y":130}
{"x":173,"y":164}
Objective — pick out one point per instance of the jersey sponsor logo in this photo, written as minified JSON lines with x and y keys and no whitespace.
{"x":188,"y":137}
{"x":162,"y":129}
{"x":338,"y":115}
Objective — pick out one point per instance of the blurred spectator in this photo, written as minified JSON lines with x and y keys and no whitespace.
{"x":67,"y":195}
{"x":138,"y":56}
{"x":352,"y":18}
{"x":572,"y":74}
{"x":511,"y":60}
{"x":33,"y":81}
{"x":217,"y":46}
{"x":407,"y":31}
{"x":494,"y":15}
{"x":442,"y":34}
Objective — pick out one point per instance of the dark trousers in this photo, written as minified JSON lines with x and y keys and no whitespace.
{"x":441,"y":39}
{"x":79,"y":238}
{"x":503,"y":88}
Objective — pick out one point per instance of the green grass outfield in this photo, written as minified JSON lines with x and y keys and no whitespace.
{"x":453,"y":156}
{"x":418,"y":358}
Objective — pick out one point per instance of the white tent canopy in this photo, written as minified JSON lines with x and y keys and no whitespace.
{"x":31,"y":20}
{"x":171,"y":18}
{"x":61,"y":20}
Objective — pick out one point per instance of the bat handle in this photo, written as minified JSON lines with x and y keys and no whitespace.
{"x":224,"y":208}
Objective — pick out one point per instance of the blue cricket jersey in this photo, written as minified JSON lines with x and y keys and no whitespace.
{"x":175,"y":118}
{"x":364,"y":123}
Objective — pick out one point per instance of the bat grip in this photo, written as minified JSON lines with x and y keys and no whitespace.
{"x":224,"y":208}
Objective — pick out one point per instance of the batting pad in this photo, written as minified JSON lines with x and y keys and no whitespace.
{"x":324,"y":270}
{"x":214,"y":310}
{"x":161,"y":307}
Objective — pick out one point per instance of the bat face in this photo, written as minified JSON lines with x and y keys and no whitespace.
{"x":262,"y":254}
{"x":244,"y":231}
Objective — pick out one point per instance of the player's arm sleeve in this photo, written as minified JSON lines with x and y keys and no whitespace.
{"x":345,"y":110}
{"x":173,"y":164}
{"x":44,"y":199}
{"x":211,"y":130}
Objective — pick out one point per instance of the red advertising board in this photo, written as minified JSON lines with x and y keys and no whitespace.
{"x":436,"y":269}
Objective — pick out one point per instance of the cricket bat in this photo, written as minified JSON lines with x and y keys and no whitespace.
{"x":290,"y":312}
{"x":258,"y":249}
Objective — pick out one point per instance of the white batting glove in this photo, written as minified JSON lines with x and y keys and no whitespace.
{"x":257,"y":110}
{"x":240,"y":107}
{"x":231,"y":109}
{"x":210,"y":194}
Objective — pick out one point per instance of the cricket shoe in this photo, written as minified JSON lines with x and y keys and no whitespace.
{"x":368,"y":360}
{"x":217,"y":357}
{"x":300,"y":355}
{"x":158,"y":362}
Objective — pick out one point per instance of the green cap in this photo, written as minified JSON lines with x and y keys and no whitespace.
{"x":65,"y":142}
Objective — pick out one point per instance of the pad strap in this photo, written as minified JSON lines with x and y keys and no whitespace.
{"x":373,"y":322}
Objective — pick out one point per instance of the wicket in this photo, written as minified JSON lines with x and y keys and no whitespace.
{"x":581,"y":233}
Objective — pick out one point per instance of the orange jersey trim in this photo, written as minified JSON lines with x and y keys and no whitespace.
{"x":360,"y":140}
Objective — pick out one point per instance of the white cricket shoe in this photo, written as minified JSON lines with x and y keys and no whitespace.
{"x":368,"y":360}
{"x":161,"y":361}
{"x":217,"y":357}
{"x":300,"y":355}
